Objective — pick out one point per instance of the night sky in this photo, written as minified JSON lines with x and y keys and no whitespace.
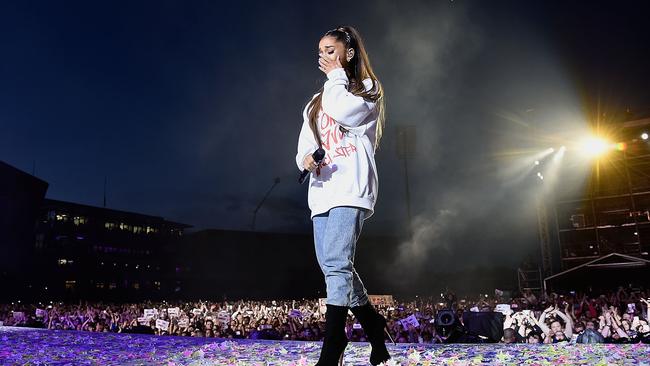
{"x":191,"y":109}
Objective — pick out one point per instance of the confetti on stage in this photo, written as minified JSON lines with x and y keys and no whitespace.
{"x":20,"y":346}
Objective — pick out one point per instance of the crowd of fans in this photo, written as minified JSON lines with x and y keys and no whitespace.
{"x":619,"y":316}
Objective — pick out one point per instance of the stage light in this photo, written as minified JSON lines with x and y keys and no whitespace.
{"x":559,"y":155}
{"x":644,"y":135}
{"x":536,"y":162}
{"x":594,"y":146}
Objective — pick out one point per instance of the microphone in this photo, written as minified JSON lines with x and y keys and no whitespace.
{"x":318,"y":156}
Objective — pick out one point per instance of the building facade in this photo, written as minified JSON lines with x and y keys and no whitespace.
{"x":56,"y":250}
{"x":99,"y":253}
{"x":21,"y":195}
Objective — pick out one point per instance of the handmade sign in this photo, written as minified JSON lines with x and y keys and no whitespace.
{"x":322,"y":305}
{"x":503,"y":309}
{"x":381,"y":300}
{"x":162,"y":324}
{"x":295,"y":313}
{"x":223,"y":317}
{"x":150,"y":313}
{"x":174,"y":312}
{"x":410,"y":320}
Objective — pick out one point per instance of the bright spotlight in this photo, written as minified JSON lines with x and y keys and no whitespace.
{"x":536,"y":162}
{"x":560,"y":153}
{"x":594,"y":146}
{"x":644,"y":135}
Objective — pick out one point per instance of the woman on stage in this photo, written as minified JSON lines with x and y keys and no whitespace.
{"x":345,"y":118}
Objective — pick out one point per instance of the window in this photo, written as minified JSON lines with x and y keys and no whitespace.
{"x":112,"y":285}
{"x":156,"y":285}
{"x":62,"y":217}
{"x":136,"y":285}
{"x":99,"y":285}
{"x":79,"y":220}
{"x":65,"y":262}
{"x":69,"y":285}
{"x":109,"y":225}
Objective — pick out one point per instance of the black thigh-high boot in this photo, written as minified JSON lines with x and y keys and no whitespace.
{"x":373,"y":325}
{"x":335,"y":338}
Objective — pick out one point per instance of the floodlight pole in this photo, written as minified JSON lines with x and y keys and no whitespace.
{"x":405,"y":150}
{"x":542,"y":216}
{"x":408,"y":197}
{"x":275,"y":183}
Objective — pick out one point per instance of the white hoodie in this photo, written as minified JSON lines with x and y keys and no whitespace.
{"x":349,"y":176}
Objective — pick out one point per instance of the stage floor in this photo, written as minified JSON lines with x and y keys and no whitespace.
{"x":26,"y":346}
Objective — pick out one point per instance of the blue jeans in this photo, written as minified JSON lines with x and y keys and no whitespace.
{"x":335,"y":237}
